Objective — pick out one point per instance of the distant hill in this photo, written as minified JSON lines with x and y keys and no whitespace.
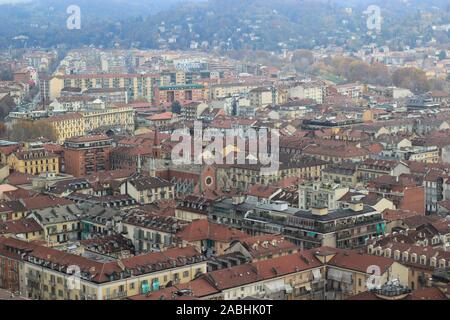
{"x":221,"y":24}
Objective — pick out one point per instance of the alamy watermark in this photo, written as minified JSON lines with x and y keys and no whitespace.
{"x":74,"y":280}
{"x":73,"y":22}
{"x":373,"y":282}
{"x":374,"y":18}
{"x":231,"y":146}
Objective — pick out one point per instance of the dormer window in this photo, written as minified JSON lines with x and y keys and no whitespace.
{"x":405,"y":256}
{"x":433,"y":262}
{"x":423,"y":260}
{"x":387,"y":252}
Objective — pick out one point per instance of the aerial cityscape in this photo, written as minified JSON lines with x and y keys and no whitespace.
{"x":260,"y":150}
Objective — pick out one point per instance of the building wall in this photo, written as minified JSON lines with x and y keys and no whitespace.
{"x":146,"y":196}
{"x":34,"y":166}
{"x":52,"y":285}
{"x":138,"y":86}
{"x":76,"y":161}
{"x":413,"y":200}
{"x":189,"y":215}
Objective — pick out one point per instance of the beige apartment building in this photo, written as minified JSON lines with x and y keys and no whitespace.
{"x":48,"y":274}
{"x":220,"y":91}
{"x":137,"y":85}
{"x":81,"y":123}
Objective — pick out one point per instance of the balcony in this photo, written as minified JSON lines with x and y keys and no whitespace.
{"x":120,"y":294}
{"x":33,"y":277}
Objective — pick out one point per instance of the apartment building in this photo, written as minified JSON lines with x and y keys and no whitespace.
{"x":150,"y":232}
{"x":87,"y":154}
{"x":319,"y":274}
{"x":371,"y":169}
{"x":337,"y":153}
{"x":98,"y":220}
{"x":192,"y":208}
{"x":208,"y":237}
{"x":146,"y":189}
{"x":186,"y":92}
{"x":262,"y":97}
{"x":403,"y":191}
{"x":137,"y":85}
{"x":83,"y":122}
{"x":316,"y":194}
{"x":306,"y":90}
{"x":263,"y":247}
{"x":192,"y":111}
{"x":34,"y":162}
{"x":220,"y":91}
{"x":244,"y":176}
{"x":50,"y":274}
{"x":26,"y":228}
{"x":422,"y":261}
{"x":61,"y":224}
{"x":437,"y":189}
{"x":108,"y":95}
{"x":346,"y":228}
{"x":420,"y":154}
{"x":346,"y":176}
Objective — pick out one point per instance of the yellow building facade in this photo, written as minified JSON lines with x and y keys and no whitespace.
{"x":80,"y":123}
{"x":34,"y":162}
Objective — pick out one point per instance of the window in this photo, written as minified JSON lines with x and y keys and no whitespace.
{"x":423,"y":260}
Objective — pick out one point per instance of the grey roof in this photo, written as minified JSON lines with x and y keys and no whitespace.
{"x":57,"y":214}
{"x":74,"y":212}
{"x":335,"y":214}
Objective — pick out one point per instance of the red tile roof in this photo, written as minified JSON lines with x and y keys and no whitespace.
{"x":265,"y":245}
{"x":105,"y":272}
{"x":161,"y":116}
{"x":359,"y":262}
{"x":43,"y":201}
{"x":17,"y":178}
{"x":205,"y":230}
{"x":19,"y":226}
{"x":393,"y":215}
{"x":261,"y":191}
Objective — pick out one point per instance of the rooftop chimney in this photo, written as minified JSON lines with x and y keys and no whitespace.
{"x":356,"y":206}
{"x":319,"y":211}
